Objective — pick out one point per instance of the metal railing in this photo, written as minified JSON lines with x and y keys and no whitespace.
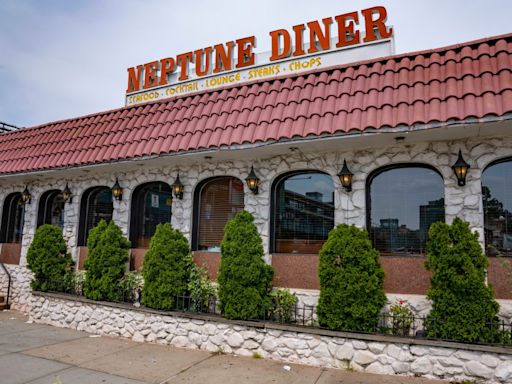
{"x":4,"y":127}
{"x":6,"y":271}
{"x":494,"y":332}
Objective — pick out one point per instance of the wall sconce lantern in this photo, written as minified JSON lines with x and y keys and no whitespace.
{"x":26,"y":197}
{"x":67,"y":194}
{"x":177,"y":188}
{"x":346,"y":177}
{"x":117,"y":191}
{"x":461,"y":170}
{"x":253,"y":181}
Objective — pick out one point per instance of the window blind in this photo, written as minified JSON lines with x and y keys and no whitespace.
{"x":220,"y":200}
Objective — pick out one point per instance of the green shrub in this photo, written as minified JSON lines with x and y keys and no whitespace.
{"x":462,"y":305}
{"x":166,"y":268}
{"x":48,"y":258}
{"x":351,"y":281}
{"x":283,"y":304}
{"x":245,"y":281}
{"x":200,"y":288}
{"x":401,"y":317}
{"x":77,"y":280}
{"x":106,"y":262}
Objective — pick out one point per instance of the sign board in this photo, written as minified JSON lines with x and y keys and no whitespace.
{"x":215,"y":67}
{"x":155,"y":201}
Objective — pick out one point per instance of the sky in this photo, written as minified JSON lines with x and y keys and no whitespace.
{"x":61,"y":59}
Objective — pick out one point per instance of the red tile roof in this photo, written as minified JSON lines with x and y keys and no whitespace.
{"x":470,"y":80}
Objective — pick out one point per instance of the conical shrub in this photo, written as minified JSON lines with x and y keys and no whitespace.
{"x":106,"y":263}
{"x":351,"y":281}
{"x":48,"y":258}
{"x":166,"y":268}
{"x":463,"y":307}
{"x":245,"y":281}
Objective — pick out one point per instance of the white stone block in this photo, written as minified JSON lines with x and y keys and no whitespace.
{"x":235,"y":340}
{"x":380,"y":369}
{"x":363,"y":357}
{"x":400,"y":367}
{"x":376,"y":347}
{"x":474,"y":368}
{"x":421,"y":366}
{"x":504,"y":372}
{"x":345,"y":352}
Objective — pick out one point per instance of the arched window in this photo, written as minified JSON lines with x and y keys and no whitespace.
{"x":51,"y":209}
{"x":12,"y":219}
{"x":151,"y":205}
{"x":497,"y":202}
{"x":302,"y":212}
{"x":96,"y":205}
{"x":403,"y":201}
{"x":216,"y":201}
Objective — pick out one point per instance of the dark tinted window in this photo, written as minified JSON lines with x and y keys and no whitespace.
{"x":96,"y":205}
{"x":151,"y":205}
{"x":217,"y":201}
{"x":404,"y":202}
{"x":51,"y":209}
{"x":12,"y":219}
{"x":303,"y":212}
{"x":497,"y":202}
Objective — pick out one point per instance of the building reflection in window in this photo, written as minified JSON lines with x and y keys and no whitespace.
{"x":497,"y":204}
{"x":51,"y":209}
{"x":403,"y":204}
{"x":12,"y":219}
{"x":303,"y":212}
{"x":96,"y":205}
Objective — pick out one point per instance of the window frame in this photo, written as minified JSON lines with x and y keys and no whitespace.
{"x":42,"y":210}
{"x":273,"y":204}
{"x":7,"y":217}
{"x":137,"y":207}
{"x":376,"y":172}
{"x":196,"y":209}
{"x":507,"y":159}
{"x":84,"y":204}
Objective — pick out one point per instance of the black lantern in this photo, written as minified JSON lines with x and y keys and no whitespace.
{"x":346,"y":177}
{"x":177,"y":188}
{"x":67,"y":194}
{"x":26,"y":197}
{"x":253,"y":181}
{"x":117,"y":191}
{"x":461,"y":170}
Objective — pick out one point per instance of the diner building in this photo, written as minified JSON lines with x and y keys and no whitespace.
{"x":391,"y":144}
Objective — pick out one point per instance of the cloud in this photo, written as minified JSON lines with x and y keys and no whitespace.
{"x":65,"y":59}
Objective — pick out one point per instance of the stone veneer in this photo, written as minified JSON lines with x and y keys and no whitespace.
{"x":20,"y":294}
{"x":361,"y":352}
{"x":464,"y":202}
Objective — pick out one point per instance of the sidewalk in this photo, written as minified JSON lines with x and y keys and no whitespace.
{"x":41,"y":354}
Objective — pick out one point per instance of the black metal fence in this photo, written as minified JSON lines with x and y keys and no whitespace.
{"x":493,"y":332}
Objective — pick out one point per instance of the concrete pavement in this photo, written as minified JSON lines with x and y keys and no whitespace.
{"x":41,"y":354}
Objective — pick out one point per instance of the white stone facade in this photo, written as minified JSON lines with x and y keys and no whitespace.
{"x":20,"y":294}
{"x":366,"y":353}
{"x":464,"y":202}
{"x":350,"y":208}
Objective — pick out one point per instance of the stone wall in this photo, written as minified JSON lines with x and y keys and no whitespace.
{"x":367,"y":353}
{"x":20,"y":294}
{"x":464,"y":202}
{"x":350,"y":207}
